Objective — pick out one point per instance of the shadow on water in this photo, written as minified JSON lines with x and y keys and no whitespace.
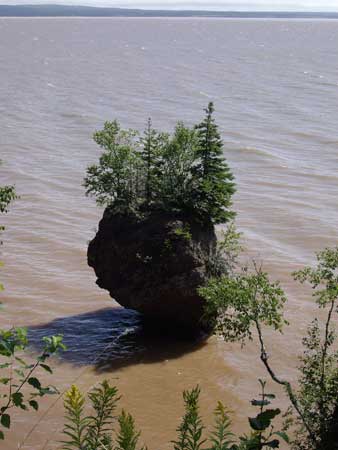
{"x":112,"y":338}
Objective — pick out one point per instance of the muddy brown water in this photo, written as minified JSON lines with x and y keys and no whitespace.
{"x":275,"y":87}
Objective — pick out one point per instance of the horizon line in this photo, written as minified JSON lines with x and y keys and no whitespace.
{"x":129,"y":8}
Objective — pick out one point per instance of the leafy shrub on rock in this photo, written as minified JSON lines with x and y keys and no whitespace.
{"x":185,"y":173}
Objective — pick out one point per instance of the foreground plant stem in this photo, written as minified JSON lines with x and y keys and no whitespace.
{"x":264,"y":356}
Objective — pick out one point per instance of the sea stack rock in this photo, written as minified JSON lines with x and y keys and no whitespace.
{"x":154,"y":266}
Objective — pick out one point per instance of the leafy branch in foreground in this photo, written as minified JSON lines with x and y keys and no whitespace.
{"x":7,"y":196}
{"x":244,"y":300}
{"x":250,"y":301}
{"x":19,"y":374}
{"x":264,"y":435}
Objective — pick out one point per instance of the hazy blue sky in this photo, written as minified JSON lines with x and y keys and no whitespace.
{"x":290,"y":5}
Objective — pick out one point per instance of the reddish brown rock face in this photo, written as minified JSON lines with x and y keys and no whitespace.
{"x":154,"y":266}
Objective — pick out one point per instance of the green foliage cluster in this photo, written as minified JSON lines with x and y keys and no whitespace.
{"x":248,"y":301}
{"x":95,"y":431}
{"x":183,"y":232}
{"x":7,"y":196}
{"x":318,"y":381}
{"x":264,"y":435}
{"x":180,"y":173}
{"x":224,"y":259}
{"x":17,"y":374}
{"x":243,"y":300}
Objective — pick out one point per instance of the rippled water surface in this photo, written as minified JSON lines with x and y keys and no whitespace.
{"x":275,"y":88}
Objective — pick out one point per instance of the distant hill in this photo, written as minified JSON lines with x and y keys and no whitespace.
{"x":87,"y":11}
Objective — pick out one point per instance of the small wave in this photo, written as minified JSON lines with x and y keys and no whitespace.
{"x":258,"y":152}
{"x":327,"y":83}
{"x":323,"y":176}
{"x":303,"y":134}
{"x":331,"y":142}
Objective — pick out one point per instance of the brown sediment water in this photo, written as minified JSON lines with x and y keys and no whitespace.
{"x":275,"y":88}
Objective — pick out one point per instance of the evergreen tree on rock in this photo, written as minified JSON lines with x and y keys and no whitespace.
{"x":214,"y":185}
{"x":152,"y":143}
